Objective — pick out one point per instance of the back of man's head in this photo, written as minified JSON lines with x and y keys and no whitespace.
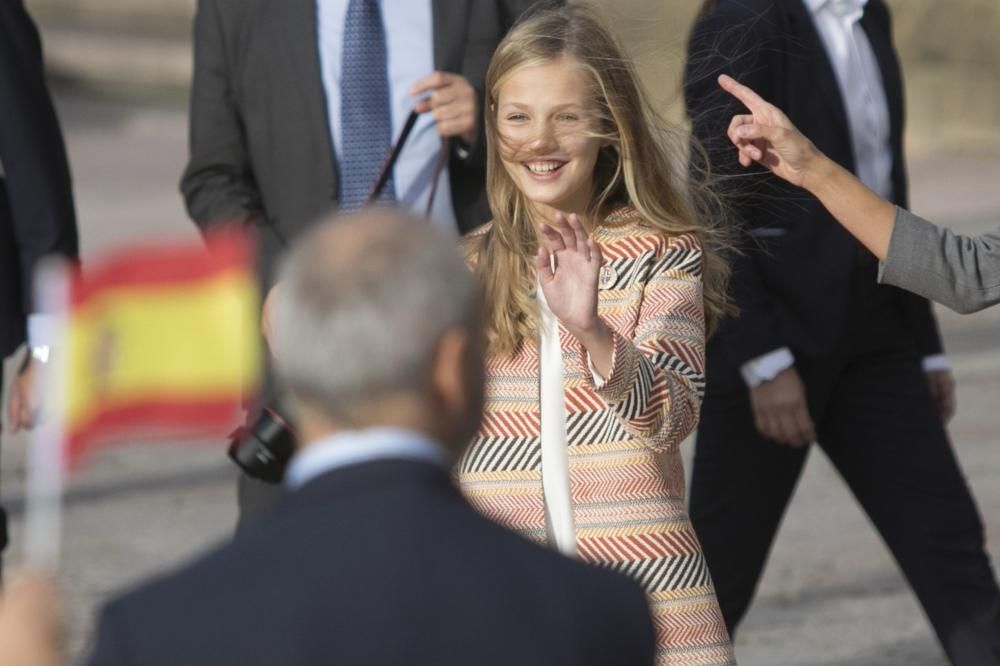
{"x":366,"y":303}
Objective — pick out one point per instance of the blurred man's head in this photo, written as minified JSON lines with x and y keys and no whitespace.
{"x":378,"y":324}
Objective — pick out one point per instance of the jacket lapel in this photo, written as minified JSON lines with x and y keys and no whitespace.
{"x":301,"y":44}
{"x":805,"y":34}
{"x":451,"y":18}
{"x":888,"y":66}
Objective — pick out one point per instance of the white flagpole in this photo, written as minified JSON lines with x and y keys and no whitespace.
{"x":46,"y":459}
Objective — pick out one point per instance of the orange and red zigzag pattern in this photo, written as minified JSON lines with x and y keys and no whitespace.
{"x":629,"y":515}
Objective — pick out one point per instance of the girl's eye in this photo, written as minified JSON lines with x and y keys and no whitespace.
{"x":517,"y":117}
{"x":568,"y":117}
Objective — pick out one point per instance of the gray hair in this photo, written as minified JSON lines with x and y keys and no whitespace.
{"x":363,"y":303}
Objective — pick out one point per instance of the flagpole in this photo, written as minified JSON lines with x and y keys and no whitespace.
{"x":46,"y":460}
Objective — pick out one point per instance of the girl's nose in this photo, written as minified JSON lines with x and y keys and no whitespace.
{"x":544,"y":139}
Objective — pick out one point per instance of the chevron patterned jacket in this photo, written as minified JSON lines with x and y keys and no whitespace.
{"x":626,"y":475}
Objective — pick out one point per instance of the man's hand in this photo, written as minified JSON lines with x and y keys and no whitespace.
{"x":942,"y":385}
{"x":22,"y":407}
{"x":452,"y":101}
{"x":780,"y":411}
{"x":30,"y":624}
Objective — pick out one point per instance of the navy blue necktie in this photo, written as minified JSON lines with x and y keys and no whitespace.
{"x":365,"y":112}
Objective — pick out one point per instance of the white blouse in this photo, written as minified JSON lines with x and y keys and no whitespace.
{"x":555,"y":459}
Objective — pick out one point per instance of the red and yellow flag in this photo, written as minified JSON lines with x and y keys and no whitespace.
{"x":160,"y":340}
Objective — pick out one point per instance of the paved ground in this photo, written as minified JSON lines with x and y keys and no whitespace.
{"x":831,"y":595}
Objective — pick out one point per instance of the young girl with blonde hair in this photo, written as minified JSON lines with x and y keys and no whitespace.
{"x":602,"y":275}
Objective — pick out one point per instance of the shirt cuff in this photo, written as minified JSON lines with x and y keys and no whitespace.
{"x":41,"y":330}
{"x":936,"y":363}
{"x":765,"y":368}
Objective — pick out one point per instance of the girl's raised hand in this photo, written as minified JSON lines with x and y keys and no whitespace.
{"x":569,"y":264}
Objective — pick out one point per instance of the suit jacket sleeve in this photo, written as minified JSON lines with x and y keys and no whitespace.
{"x":110,"y":647}
{"x":960,"y":272}
{"x":32,"y":149}
{"x":658,"y":377}
{"x":218,"y":183}
{"x":743,"y":40}
{"x":619,"y":628}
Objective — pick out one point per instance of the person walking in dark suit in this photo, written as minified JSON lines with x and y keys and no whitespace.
{"x":372,"y":556}
{"x":821,"y":352}
{"x":295,"y":104}
{"x":37,"y":216}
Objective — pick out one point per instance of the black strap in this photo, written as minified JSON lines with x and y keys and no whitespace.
{"x":390,"y":163}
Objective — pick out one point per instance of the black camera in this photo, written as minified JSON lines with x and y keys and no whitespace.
{"x":263,"y":449}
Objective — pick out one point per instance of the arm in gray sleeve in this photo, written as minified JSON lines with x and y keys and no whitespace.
{"x":960,"y":272}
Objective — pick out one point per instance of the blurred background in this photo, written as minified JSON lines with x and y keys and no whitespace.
{"x":120,"y":71}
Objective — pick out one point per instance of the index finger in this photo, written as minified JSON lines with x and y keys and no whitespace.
{"x":750,"y":99}
{"x":432,"y":81}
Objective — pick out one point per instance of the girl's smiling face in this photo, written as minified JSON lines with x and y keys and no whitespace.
{"x":549,"y":135}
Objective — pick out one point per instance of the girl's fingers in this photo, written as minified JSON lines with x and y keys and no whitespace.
{"x":595,"y":252}
{"x":543,"y":263}
{"x":564,"y":229}
{"x":579,"y":232}
{"x":553,"y":238}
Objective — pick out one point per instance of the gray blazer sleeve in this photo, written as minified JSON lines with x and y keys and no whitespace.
{"x":960,"y":272}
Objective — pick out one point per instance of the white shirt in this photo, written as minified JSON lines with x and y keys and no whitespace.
{"x":860,"y":80}
{"x":555,"y":458}
{"x":409,"y":39}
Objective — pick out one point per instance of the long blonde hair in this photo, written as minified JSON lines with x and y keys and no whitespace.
{"x":641,"y":166}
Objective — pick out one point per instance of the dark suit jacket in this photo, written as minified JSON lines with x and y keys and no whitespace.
{"x":379,"y":563}
{"x":36,"y":197}
{"x":792,"y":282}
{"x":260,"y":141}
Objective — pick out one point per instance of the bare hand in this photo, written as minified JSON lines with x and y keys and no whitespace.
{"x":780,"y":411}
{"x":267,"y":315}
{"x":30,"y":624}
{"x":452,"y":100}
{"x":570,"y":289}
{"x":942,"y":385}
{"x":768,"y":137}
{"x":22,"y":406}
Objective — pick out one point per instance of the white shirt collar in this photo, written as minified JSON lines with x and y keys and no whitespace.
{"x":841,"y":7}
{"x":361,"y":446}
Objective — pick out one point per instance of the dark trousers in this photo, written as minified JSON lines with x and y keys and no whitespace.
{"x":877,"y":423}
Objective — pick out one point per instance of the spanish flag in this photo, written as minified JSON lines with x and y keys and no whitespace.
{"x":159,"y":341}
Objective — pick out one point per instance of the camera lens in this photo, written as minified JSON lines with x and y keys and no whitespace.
{"x":264,"y":449}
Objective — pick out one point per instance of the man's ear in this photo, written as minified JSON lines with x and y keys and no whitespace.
{"x":448,"y":372}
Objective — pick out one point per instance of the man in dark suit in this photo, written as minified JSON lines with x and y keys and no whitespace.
{"x":820,"y":352}
{"x":372,"y":556}
{"x":295,"y":105}
{"x":36,"y":203}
